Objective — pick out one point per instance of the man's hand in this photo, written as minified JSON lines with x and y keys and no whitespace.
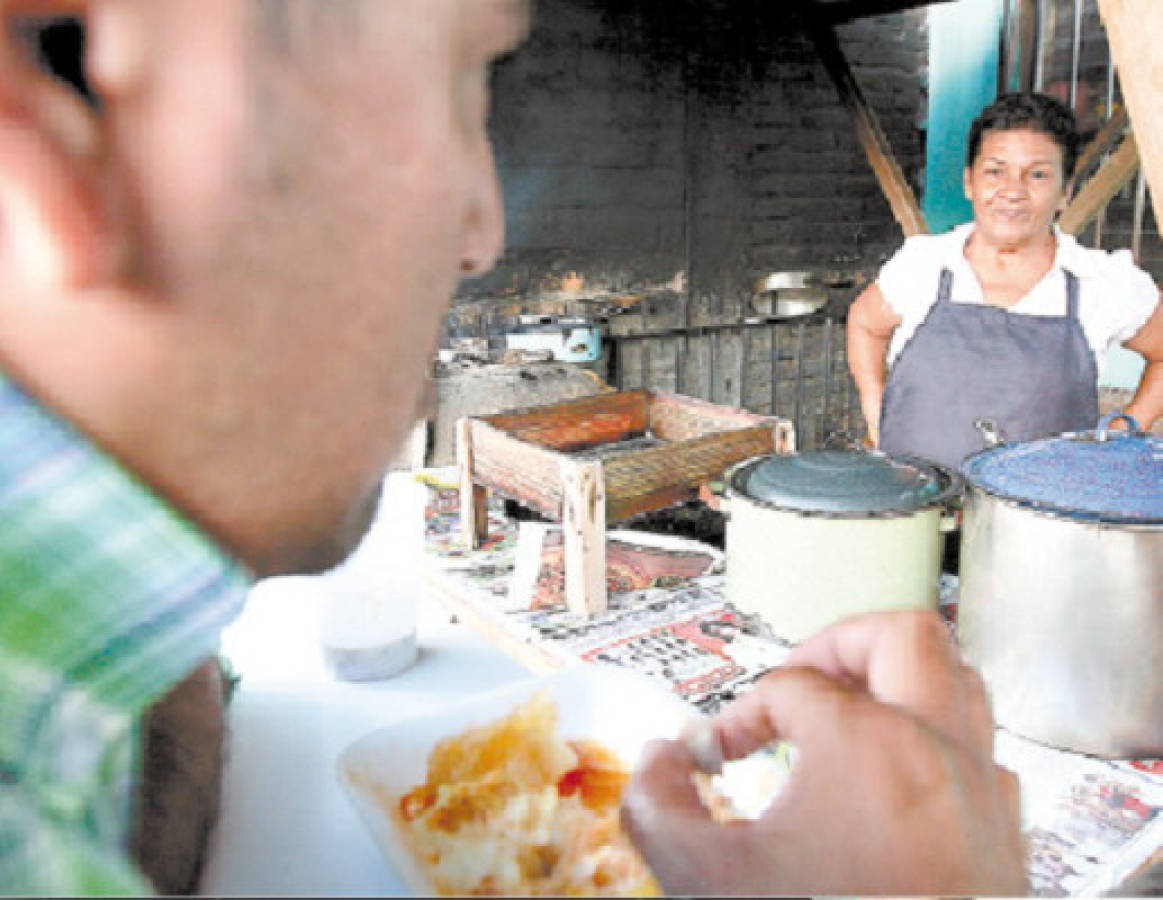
{"x":182,"y":755}
{"x":894,"y":790}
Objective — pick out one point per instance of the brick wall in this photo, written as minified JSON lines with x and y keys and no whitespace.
{"x":641,"y":139}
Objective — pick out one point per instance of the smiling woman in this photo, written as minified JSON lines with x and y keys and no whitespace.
{"x":1005,"y":318}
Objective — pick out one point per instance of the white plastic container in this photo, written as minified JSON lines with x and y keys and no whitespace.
{"x":569,"y":340}
{"x":366,"y":613}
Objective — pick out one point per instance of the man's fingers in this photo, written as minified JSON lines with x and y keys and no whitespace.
{"x":674,"y":831}
{"x":1011,"y":791}
{"x":904,"y":658}
{"x":791,"y":703}
{"x":978,"y":712}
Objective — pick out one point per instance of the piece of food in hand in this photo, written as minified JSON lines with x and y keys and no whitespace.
{"x":703,"y":744}
{"x":512,"y":808}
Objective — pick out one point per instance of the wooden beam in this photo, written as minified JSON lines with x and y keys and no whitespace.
{"x":1103,"y":142}
{"x":1135,"y":33}
{"x":1098,"y":191}
{"x":897,"y":191}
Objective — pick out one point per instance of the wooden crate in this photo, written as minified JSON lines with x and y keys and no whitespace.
{"x":600,"y":459}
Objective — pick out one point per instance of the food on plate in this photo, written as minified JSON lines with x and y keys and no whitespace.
{"x":513,"y":808}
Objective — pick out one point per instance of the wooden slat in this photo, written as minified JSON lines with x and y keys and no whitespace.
{"x":1135,"y":33}
{"x":674,"y":418}
{"x":896,"y":188}
{"x":572,"y":424}
{"x":662,"y":472}
{"x":517,"y":469}
{"x":1096,"y":193}
{"x":1103,"y":142}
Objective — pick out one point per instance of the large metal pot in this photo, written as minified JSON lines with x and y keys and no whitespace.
{"x":1062,"y":588}
{"x":817,"y":536}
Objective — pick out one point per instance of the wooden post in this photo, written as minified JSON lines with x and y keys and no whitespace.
{"x":583,"y":526}
{"x":783,"y":437}
{"x":897,"y":191}
{"x":1134,"y":30}
{"x":474,"y":517}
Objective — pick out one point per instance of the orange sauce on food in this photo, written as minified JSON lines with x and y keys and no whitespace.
{"x":416,"y":802}
{"x":598,"y":776}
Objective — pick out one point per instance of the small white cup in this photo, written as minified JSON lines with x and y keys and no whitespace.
{"x":367,"y":604}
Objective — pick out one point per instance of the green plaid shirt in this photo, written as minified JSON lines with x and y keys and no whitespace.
{"x":107,"y":598}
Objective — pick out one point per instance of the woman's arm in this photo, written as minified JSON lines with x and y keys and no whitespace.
{"x":871,"y":322}
{"x":1147,"y":404}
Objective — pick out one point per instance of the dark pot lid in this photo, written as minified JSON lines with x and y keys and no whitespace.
{"x":841,"y":481}
{"x":1114,"y":476}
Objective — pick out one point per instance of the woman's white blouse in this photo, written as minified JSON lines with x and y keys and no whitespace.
{"x":1115,"y":296}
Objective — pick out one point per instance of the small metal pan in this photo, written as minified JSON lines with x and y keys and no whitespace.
{"x":789,"y":295}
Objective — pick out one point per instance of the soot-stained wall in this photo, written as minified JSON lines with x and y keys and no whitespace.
{"x":680,"y":149}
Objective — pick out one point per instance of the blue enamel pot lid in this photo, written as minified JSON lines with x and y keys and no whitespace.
{"x":846,"y":483}
{"x":1103,"y":475}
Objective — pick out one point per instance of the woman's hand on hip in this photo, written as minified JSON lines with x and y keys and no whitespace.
{"x":871,"y":323}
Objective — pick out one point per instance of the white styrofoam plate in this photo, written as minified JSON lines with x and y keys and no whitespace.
{"x":620,"y":708}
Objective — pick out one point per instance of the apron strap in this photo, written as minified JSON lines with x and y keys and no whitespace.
{"x":1071,"y":294}
{"x":945,"y":286}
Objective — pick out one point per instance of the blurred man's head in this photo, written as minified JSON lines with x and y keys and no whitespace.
{"x":231,"y":273}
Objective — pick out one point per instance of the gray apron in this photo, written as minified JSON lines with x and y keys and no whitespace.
{"x":1033,"y":375}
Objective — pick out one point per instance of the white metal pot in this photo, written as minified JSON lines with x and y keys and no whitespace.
{"x":801,"y":569}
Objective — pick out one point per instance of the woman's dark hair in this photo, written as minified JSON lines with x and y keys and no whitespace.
{"x":1036,"y":112}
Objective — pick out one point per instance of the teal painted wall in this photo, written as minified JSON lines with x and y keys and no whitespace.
{"x":963,"y":62}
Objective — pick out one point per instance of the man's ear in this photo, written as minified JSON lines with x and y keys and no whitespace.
{"x":965,"y":183}
{"x":56,"y":231}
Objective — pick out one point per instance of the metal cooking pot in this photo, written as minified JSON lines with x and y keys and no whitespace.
{"x":1062,"y":588}
{"x":820,"y":535}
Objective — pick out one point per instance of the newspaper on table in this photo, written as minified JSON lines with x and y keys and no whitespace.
{"x":1089,"y":823}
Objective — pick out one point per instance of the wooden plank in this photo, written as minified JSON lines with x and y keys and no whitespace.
{"x":1119,"y":168}
{"x":897,"y":191}
{"x":517,"y":469}
{"x":1103,"y":142}
{"x":583,"y":528}
{"x":627,"y":507}
{"x":683,"y":465}
{"x":571,"y":424}
{"x":1135,"y":33}
{"x":676,"y":418}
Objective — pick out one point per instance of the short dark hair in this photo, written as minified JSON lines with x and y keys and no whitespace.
{"x":1036,"y":112}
